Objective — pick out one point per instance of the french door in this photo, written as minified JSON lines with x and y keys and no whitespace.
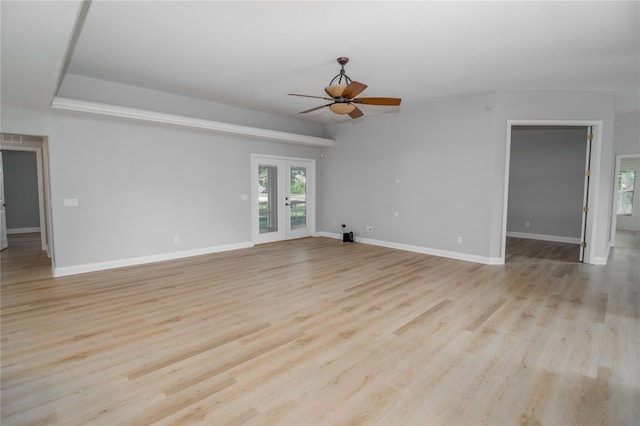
{"x":283,"y":198}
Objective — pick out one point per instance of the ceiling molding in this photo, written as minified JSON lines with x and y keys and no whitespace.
{"x":179,"y":120}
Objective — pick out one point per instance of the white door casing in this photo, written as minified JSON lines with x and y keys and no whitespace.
{"x":585,"y":197}
{"x":4,"y":242}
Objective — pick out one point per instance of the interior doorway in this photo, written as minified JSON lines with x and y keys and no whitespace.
{"x":38,"y":146}
{"x":283,"y":198}
{"x":549,"y":186}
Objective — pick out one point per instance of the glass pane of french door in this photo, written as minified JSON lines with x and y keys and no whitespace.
{"x":268,"y":198}
{"x":298,"y":197}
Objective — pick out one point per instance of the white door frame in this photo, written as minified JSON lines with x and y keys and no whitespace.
{"x":585,"y":194}
{"x":4,"y":238}
{"x":42,"y":171}
{"x":614,"y":206}
{"x":311,"y":195}
{"x":596,"y":148}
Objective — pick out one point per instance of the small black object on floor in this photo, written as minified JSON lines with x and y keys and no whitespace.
{"x":347,"y":237}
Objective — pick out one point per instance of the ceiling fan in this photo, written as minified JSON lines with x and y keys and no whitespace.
{"x":343,"y":91}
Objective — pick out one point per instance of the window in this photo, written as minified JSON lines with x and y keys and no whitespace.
{"x":626,"y":180}
{"x":268,"y":198}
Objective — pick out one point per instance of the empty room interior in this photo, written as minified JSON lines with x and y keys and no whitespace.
{"x":310,"y":213}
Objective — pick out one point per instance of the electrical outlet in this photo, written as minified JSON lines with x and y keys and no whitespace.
{"x":459,"y":240}
{"x":369,"y":228}
{"x":176,"y":239}
{"x":527,"y":224}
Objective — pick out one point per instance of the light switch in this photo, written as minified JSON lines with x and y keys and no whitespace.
{"x":244,"y":197}
{"x":71,"y":202}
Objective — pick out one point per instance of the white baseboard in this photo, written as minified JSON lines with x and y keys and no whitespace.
{"x":419,"y":249}
{"x":543,"y":237}
{"x":22,"y":230}
{"x":112,"y":264}
{"x":601,"y":261}
{"x":627,"y":228}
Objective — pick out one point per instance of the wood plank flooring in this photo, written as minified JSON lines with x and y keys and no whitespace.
{"x":628,"y":239}
{"x":316,"y":331}
{"x":522,"y":250}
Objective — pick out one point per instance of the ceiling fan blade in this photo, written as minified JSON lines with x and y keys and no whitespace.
{"x":378,"y":101}
{"x":309,"y":96}
{"x":353,"y":89}
{"x":356,"y":113}
{"x":313,"y":109}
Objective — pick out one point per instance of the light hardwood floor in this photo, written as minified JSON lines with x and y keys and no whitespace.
{"x":316,"y":331}
{"x":521,"y":250}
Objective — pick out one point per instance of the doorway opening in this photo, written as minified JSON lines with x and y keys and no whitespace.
{"x":550,"y":177}
{"x":25,"y":147}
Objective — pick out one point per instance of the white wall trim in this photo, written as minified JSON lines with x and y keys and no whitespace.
{"x":544,"y":237}
{"x":419,"y":249}
{"x":600,"y":261}
{"x":179,"y":120}
{"x":112,"y":264}
{"x":23,"y":230}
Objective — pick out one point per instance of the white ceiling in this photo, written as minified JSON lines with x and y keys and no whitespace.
{"x":251,"y":54}
{"x":34,"y":39}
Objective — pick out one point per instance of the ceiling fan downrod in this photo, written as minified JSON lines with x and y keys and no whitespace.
{"x":343,"y":60}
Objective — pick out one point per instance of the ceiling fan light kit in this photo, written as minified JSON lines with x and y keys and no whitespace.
{"x":335,"y":90}
{"x":343,"y":91}
{"x":342,"y":108}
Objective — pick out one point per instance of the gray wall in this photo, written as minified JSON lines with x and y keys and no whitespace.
{"x":138,"y":184}
{"x":21,"y":189}
{"x":450,"y":159}
{"x":546,"y":181}
{"x":442,"y":156}
{"x":627,"y":133}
